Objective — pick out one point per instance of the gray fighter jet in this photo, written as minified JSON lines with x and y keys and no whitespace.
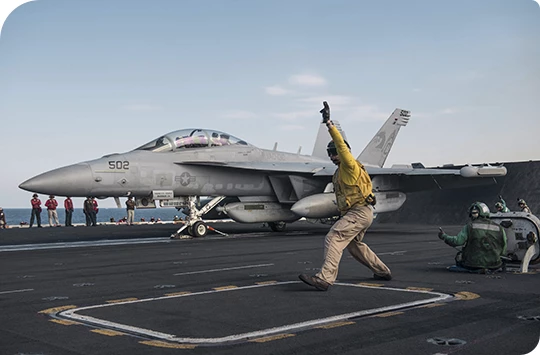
{"x":271,"y":186}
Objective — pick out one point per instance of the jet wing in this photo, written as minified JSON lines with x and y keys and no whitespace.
{"x":383,"y":179}
{"x":283,"y":167}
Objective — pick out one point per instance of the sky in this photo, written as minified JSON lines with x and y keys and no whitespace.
{"x":81,"y":79}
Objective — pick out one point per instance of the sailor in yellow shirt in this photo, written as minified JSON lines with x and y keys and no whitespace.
{"x":353,"y":189}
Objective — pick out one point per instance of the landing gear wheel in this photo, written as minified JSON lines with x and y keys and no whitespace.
{"x":199,"y":229}
{"x":190,"y":230}
{"x":277,"y":226}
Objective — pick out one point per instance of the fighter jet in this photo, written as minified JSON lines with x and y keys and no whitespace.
{"x":271,"y":186}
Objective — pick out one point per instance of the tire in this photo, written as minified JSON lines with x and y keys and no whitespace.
{"x":199,"y":229}
{"x":277,"y":226}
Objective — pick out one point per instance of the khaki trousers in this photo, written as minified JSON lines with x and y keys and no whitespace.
{"x":130,"y":216}
{"x":53,"y":217}
{"x":348,"y":232}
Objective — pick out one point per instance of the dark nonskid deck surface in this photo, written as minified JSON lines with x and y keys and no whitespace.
{"x":241,"y":295}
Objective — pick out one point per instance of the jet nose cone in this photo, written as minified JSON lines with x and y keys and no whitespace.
{"x":73,"y":180}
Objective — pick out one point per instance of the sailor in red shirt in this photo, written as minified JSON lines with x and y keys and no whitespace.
{"x":36,"y":211}
{"x":68,"y":205}
{"x":51,"y":205}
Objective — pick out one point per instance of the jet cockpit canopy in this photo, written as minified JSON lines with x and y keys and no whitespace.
{"x":191,"y":138}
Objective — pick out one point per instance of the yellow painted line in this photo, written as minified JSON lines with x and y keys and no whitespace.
{"x":225,"y":287}
{"x":56,"y":309}
{"x":178,"y":293}
{"x":108,"y":332}
{"x":419,"y":289}
{"x":271,"y":338}
{"x":388,"y":314}
{"x":431,"y":305}
{"x":266,"y":282}
{"x":164,"y":344}
{"x":122,"y":300}
{"x":64,"y":321}
{"x":334,"y":325}
{"x":369,"y":284}
{"x":466,"y":296}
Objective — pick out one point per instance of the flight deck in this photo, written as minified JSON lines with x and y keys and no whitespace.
{"x":133,"y":290}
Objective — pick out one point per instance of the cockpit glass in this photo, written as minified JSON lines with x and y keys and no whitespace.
{"x":162,"y":144}
{"x":192,"y":138}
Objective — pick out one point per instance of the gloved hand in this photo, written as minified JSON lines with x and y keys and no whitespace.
{"x":441,"y":234}
{"x":325,"y":112}
{"x":500,"y":197}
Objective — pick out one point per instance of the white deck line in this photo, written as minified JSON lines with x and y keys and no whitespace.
{"x":16,"y":291}
{"x":94,"y":243}
{"x":72,"y":315}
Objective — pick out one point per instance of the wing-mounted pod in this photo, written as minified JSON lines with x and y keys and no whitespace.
{"x":470,"y":171}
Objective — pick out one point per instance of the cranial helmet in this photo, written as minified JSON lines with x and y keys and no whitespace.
{"x":521,"y":201}
{"x":331,"y":147}
{"x":482,"y":208}
{"x":498,"y":205}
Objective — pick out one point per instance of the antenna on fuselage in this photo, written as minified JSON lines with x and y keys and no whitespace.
{"x":299,"y":149}
{"x":275,"y":146}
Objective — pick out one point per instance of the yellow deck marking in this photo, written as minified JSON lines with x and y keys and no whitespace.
{"x":334,"y":325}
{"x":431,"y":305}
{"x":178,"y":293}
{"x":271,"y":338}
{"x":266,"y":282}
{"x":466,"y":296}
{"x":419,"y":289}
{"x":56,"y":309}
{"x":369,"y":284}
{"x":225,"y":287}
{"x":164,"y":344}
{"x":64,"y":321}
{"x":388,"y":314}
{"x":108,"y":332}
{"x":122,"y":300}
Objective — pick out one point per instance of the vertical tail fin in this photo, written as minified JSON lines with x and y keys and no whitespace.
{"x":376,"y":152}
{"x":319,"y":149}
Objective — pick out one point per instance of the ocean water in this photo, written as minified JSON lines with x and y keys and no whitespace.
{"x":14,"y":216}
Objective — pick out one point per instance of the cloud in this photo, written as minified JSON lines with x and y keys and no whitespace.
{"x":239,"y":115}
{"x":141,"y":107}
{"x":276,"y":90}
{"x":307,"y":80}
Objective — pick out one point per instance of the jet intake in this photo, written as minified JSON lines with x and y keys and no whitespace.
{"x":257,"y":212}
{"x":324,"y":205}
{"x":470,"y":171}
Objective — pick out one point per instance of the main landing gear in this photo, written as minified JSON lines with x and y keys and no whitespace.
{"x":194,"y":224}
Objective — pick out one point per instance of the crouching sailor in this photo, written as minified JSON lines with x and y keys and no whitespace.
{"x":483,"y":242}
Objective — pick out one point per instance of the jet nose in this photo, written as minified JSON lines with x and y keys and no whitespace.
{"x":74,"y":180}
